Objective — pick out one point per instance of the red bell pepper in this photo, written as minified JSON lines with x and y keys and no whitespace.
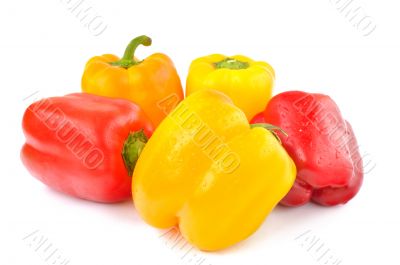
{"x":85,"y":145}
{"x":322,"y":145}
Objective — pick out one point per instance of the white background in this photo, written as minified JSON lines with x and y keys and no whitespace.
{"x":311,"y":45}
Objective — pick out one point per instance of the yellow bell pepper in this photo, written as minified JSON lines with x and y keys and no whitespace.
{"x":207,"y":171}
{"x":248,"y":83}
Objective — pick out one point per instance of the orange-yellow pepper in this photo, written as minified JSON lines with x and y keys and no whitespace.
{"x":207,"y":171}
{"x":146,"y":82}
{"x":248,"y":83}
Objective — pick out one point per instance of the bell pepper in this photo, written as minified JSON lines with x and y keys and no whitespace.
{"x":208,"y":172}
{"x":322,"y":145}
{"x":145,"y":82}
{"x":85,"y":145}
{"x":248,"y":83}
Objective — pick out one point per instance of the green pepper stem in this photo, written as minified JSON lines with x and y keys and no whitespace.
{"x":230,"y":63}
{"x":271,"y":128}
{"x":133,"y":146}
{"x":128,"y":59}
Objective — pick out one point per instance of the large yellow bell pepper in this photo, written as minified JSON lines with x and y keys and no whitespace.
{"x":207,"y":171}
{"x":248,"y":83}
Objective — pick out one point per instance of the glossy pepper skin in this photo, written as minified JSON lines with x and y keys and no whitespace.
{"x":248,"y":83}
{"x":206,"y":171}
{"x":322,"y":145}
{"x":145,"y":83}
{"x":84,"y":145}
